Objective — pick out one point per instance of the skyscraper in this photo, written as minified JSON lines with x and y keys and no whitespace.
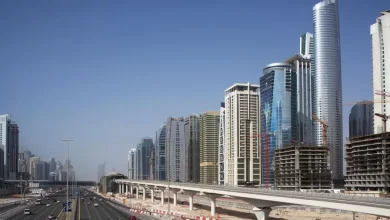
{"x":327,"y":88}
{"x":221,"y":145}
{"x":303,"y":82}
{"x":278,"y":113}
{"x":9,"y":138}
{"x":191,"y":129}
{"x":160,"y":153}
{"x":34,"y":174}
{"x":360,"y":119}
{"x":132,"y":164}
{"x":101,"y":171}
{"x":242,"y":145}
{"x":4,"y":124}
{"x":209,"y":132}
{"x":175,"y":150}
{"x":380,"y":36}
{"x":52,"y":165}
{"x":145,"y":148}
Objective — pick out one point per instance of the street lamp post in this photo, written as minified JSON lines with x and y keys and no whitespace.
{"x":67,"y":177}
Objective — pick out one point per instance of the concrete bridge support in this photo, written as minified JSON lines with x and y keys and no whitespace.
{"x":213,"y":203}
{"x":261,"y":213}
{"x":131,"y":190}
{"x":144,"y":193}
{"x":190,"y":199}
{"x":126,"y":189}
{"x":136,"y":192}
{"x":152,"y":194}
{"x":174,"y":195}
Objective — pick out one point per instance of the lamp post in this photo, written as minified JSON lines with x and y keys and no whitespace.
{"x":67,"y":177}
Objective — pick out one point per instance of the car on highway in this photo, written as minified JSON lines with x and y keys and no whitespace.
{"x":48,"y":205}
{"x":38,"y":202}
{"x":96,"y":205}
{"x":51,"y":216}
{"x":27,"y":212}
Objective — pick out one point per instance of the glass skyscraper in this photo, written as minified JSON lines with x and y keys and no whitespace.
{"x":361,"y":120}
{"x":327,"y":90}
{"x":278,"y":113}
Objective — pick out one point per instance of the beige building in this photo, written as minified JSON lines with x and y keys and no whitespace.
{"x":241,"y":139}
{"x":209,"y":128}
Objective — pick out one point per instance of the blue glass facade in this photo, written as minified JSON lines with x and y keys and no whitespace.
{"x":278,"y":112}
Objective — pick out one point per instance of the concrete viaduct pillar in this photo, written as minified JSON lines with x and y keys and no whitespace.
{"x":174,"y":195}
{"x":152,"y":194}
{"x":212,"y":198}
{"x":136,"y":192}
{"x":190,"y":199}
{"x":144,"y":193}
{"x":261,"y":213}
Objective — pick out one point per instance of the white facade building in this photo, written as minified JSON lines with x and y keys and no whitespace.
{"x":380,"y":35}
{"x":242,"y":127}
{"x":175,"y":150}
{"x":221,"y":144}
{"x":132,"y":164}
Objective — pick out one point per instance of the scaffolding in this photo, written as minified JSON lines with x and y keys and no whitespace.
{"x":300,"y":167}
{"x":368,"y":163}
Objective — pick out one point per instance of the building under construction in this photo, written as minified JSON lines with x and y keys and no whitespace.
{"x":368,"y":163}
{"x":301,"y":167}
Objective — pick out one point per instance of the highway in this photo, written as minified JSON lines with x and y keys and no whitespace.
{"x":104,"y":211}
{"x":40,"y":212}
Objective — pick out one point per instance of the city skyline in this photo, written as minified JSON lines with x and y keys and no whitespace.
{"x":64,"y":103}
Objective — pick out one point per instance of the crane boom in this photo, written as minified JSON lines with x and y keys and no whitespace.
{"x":324,"y":129}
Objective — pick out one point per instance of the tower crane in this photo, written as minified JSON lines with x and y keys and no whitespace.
{"x":324,"y":130}
{"x":384,"y":120}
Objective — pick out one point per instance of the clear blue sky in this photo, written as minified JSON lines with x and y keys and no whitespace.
{"x":107,"y":73}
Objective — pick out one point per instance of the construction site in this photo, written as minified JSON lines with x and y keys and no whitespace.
{"x":302,"y":167}
{"x":368,"y":163}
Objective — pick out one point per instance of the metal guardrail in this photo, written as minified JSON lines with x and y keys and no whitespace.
{"x":307,"y":195}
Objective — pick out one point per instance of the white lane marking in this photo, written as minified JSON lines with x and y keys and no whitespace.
{"x":89,"y":214}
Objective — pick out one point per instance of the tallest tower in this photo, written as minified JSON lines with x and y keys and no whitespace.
{"x":327,"y":97}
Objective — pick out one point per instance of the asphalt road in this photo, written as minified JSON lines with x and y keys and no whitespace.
{"x":40,"y":212}
{"x":103,"y":212}
{"x":8,"y":207}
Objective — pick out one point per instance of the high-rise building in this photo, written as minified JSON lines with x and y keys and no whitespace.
{"x":221,"y":144}
{"x":327,"y":87}
{"x":303,"y":81}
{"x":278,"y":113}
{"x":175,"y":150}
{"x":34,"y":161}
{"x":4,"y":124}
{"x":361,"y":120}
{"x":12,"y":150}
{"x":9,"y":139}
{"x":160,"y":153}
{"x":152,"y":164}
{"x":145,"y":148}
{"x":132,"y":166}
{"x":242,"y":145}
{"x":101,"y":170}
{"x":52,"y":165}
{"x":191,"y":129}
{"x":209,"y":133}
{"x":380,"y":36}
{"x":27,"y":156}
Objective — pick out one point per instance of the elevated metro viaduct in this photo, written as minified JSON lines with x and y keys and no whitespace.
{"x":262,"y":199}
{"x":50,"y":182}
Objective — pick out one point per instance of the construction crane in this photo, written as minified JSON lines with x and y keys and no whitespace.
{"x":324,"y":130}
{"x":384,"y":120}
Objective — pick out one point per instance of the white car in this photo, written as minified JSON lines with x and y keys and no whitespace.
{"x":96,"y":205}
{"x":27,"y":212}
{"x":48,"y":205}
